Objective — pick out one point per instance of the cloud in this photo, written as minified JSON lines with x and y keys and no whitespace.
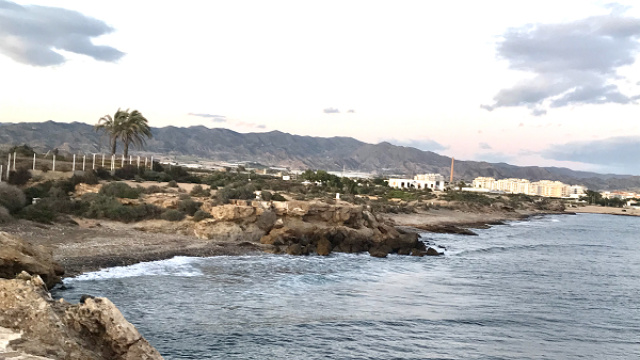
{"x":572,"y":63}
{"x":31,"y":34}
{"x":230,"y":122}
{"x":351,"y":111}
{"x":617,"y":152}
{"x":214,"y":118}
{"x":331,"y":111}
{"x":485,"y":146}
{"x":421,"y":144}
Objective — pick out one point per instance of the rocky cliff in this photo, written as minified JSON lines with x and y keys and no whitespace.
{"x":18,"y":255}
{"x":34,"y":326}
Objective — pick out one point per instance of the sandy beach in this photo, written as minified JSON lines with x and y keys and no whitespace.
{"x":594,"y":209}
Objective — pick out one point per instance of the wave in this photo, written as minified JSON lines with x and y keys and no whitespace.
{"x":179,"y":266}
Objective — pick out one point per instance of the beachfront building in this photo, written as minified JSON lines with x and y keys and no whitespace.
{"x":546,"y":188}
{"x":434,"y":182}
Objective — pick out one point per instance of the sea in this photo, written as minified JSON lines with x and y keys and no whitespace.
{"x":551,"y":287}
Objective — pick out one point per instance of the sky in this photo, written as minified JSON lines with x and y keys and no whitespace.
{"x":546,"y":83}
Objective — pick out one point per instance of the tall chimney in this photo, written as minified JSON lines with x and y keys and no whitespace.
{"x":451,"y":176}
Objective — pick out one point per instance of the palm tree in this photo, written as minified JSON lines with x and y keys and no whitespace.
{"x":134,"y":129}
{"x":112,"y":126}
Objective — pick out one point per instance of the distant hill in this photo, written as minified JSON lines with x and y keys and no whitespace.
{"x":300,"y":152}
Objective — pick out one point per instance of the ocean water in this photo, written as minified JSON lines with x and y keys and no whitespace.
{"x":554,"y":287}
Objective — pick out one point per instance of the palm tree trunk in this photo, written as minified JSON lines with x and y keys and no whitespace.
{"x":113,"y":145}
{"x":126,"y":149}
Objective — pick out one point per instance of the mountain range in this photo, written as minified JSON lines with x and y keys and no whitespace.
{"x":294,"y":151}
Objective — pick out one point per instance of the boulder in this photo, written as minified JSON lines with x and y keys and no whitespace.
{"x":39,"y":326}
{"x":324,"y":247}
{"x":294,"y":249}
{"x":379,"y":251}
{"x":266,"y":220}
{"x":433,"y":252}
{"x":17,"y":256}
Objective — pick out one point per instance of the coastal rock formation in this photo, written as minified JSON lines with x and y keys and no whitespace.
{"x":31,"y":322}
{"x":17,"y":256}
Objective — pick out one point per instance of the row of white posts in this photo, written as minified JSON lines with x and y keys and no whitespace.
{"x":148,"y":164}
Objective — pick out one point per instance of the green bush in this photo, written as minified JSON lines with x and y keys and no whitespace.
{"x":266,"y":195}
{"x":103,"y":173}
{"x":402,"y":195}
{"x":199,"y":191}
{"x":11,"y":197}
{"x":278,"y":197}
{"x":120,"y":190}
{"x":19,"y":177}
{"x":189,"y":206}
{"x":201,"y":215}
{"x":107,"y":207}
{"x":128,"y":172}
{"x":172,"y":215}
{"x":41,"y":213}
{"x":468,"y":197}
{"x":154,"y":189}
{"x":5,"y":217}
{"x":172,"y":184}
{"x":89,"y":177}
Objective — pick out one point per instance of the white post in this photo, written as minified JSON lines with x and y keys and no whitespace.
{"x":122,"y":163}
{"x":94,"y":162}
{"x":54,"y":163}
{"x":14,"y":161}
{"x":102,"y":160}
{"x":113,"y":162}
{"x":138,"y":161}
{"x":151,"y":166}
{"x":8,"y":167}
{"x":145,"y":162}
{"x":0,"y":173}
{"x":34,"y":161}
{"x":130,"y":159}
{"x":83,"y":161}
{"x":74,"y":163}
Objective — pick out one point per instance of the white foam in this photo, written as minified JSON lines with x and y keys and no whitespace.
{"x":179,"y":266}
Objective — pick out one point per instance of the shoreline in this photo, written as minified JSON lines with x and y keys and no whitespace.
{"x":595,"y":209}
{"x":93,"y":245}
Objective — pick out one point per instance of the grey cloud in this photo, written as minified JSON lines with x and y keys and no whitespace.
{"x":331,"y":111}
{"x":31,"y":34}
{"x":573,"y":63}
{"x":614,"y":153}
{"x":421,"y":144}
{"x":485,"y":146}
{"x":351,"y":111}
{"x":214,"y":118}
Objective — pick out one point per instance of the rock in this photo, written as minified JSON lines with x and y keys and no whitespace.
{"x":227,"y":231}
{"x":433,"y":252}
{"x":294,"y":249}
{"x":380,"y":251}
{"x":278,"y":224}
{"x":17,"y":256}
{"x":266,"y":220}
{"x":95,"y":330}
{"x":324,"y":247}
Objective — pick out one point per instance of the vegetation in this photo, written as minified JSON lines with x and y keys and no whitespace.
{"x":172,"y":215}
{"x":131,"y":127}
{"x":11,"y":197}
{"x":121,"y":190}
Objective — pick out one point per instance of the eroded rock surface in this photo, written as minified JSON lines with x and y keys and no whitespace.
{"x":34,"y":326}
{"x":17,"y":255}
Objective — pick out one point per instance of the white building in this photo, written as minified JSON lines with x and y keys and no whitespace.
{"x":434,"y":182}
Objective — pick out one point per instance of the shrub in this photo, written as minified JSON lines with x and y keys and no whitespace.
{"x":189,"y":206}
{"x":278,"y":197}
{"x":19,"y":177}
{"x":172,"y":184}
{"x":154,"y":189}
{"x":201,"y":215}
{"x":107,"y":207}
{"x":266,"y":195}
{"x":5,"y":217}
{"x":89,"y":177}
{"x":128,"y":172}
{"x":120,"y":190}
{"x":103,"y":173}
{"x":11,"y":197}
{"x":172,"y":215}
{"x":41,"y":213}
{"x":199,"y":191}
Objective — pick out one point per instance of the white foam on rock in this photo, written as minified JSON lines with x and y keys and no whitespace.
{"x":179,"y":266}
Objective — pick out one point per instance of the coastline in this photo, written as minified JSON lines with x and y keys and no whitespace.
{"x":93,"y":245}
{"x":594,"y":209}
